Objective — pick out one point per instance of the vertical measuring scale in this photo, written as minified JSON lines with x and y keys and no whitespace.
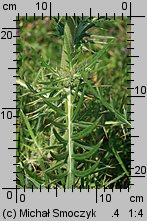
{"x":76,"y":204}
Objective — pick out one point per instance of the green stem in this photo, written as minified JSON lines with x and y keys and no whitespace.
{"x":66,"y":68}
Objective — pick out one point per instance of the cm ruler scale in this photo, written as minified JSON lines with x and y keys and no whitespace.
{"x":75,"y":204}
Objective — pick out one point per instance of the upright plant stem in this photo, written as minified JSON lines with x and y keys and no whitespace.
{"x":66,"y":68}
{"x":70,"y":161}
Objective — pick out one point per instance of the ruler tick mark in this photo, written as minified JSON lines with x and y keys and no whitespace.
{"x":16,"y":44}
{"x":13,"y":68}
{"x":98,"y":16}
{"x":16,"y":100}
{"x":90,"y":14}
{"x":135,"y":96}
{"x":133,"y":56}
{"x":74,"y":16}
{"x":96,"y":194}
{"x":130,"y":104}
{"x":82,"y":16}
{"x":122,"y":16}
{"x":10,"y":28}
{"x":130,"y":40}
{"x":106,"y":16}
{"x":130,"y":11}
{"x":56,"y":191}
{"x":80,"y":188}
{"x":16,"y":36}
{"x":16,"y":76}
{"x":15,"y":148}
{"x":137,"y":16}
{"x":10,"y":108}
{"x":141,"y":176}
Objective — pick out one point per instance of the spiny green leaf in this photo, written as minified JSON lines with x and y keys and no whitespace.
{"x":54,"y":147}
{"x":86,"y":172}
{"x":115,"y":179}
{"x":60,"y":156}
{"x":58,"y":125}
{"x":102,"y":37}
{"x":120,"y":161}
{"x":59,"y":138}
{"x":82,"y":124}
{"x":43,"y":62}
{"x":52,"y":99}
{"x":30,"y":87}
{"x":39,"y":94}
{"x":36,"y":93}
{"x":98,"y":95}
{"x":87,"y":154}
{"x":46,"y":91}
{"x":59,"y":177}
{"x":34,"y":181}
{"x":57,"y":165}
{"x":20,"y":176}
{"x":78,"y":107}
{"x":81,"y":29}
{"x":43,"y":167}
{"x":52,"y":82}
{"x":97,"y":56}
{"x":96,"y":42}
{"x":86,"y":131}
{"x":68,"y":46}
{"x":82,"y":145}
{"x":37,"y":110}
{"x":29,"y":128}
{"x":118,"y":115}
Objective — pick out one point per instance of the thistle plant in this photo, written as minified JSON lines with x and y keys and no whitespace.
{"x":64,"y":97}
